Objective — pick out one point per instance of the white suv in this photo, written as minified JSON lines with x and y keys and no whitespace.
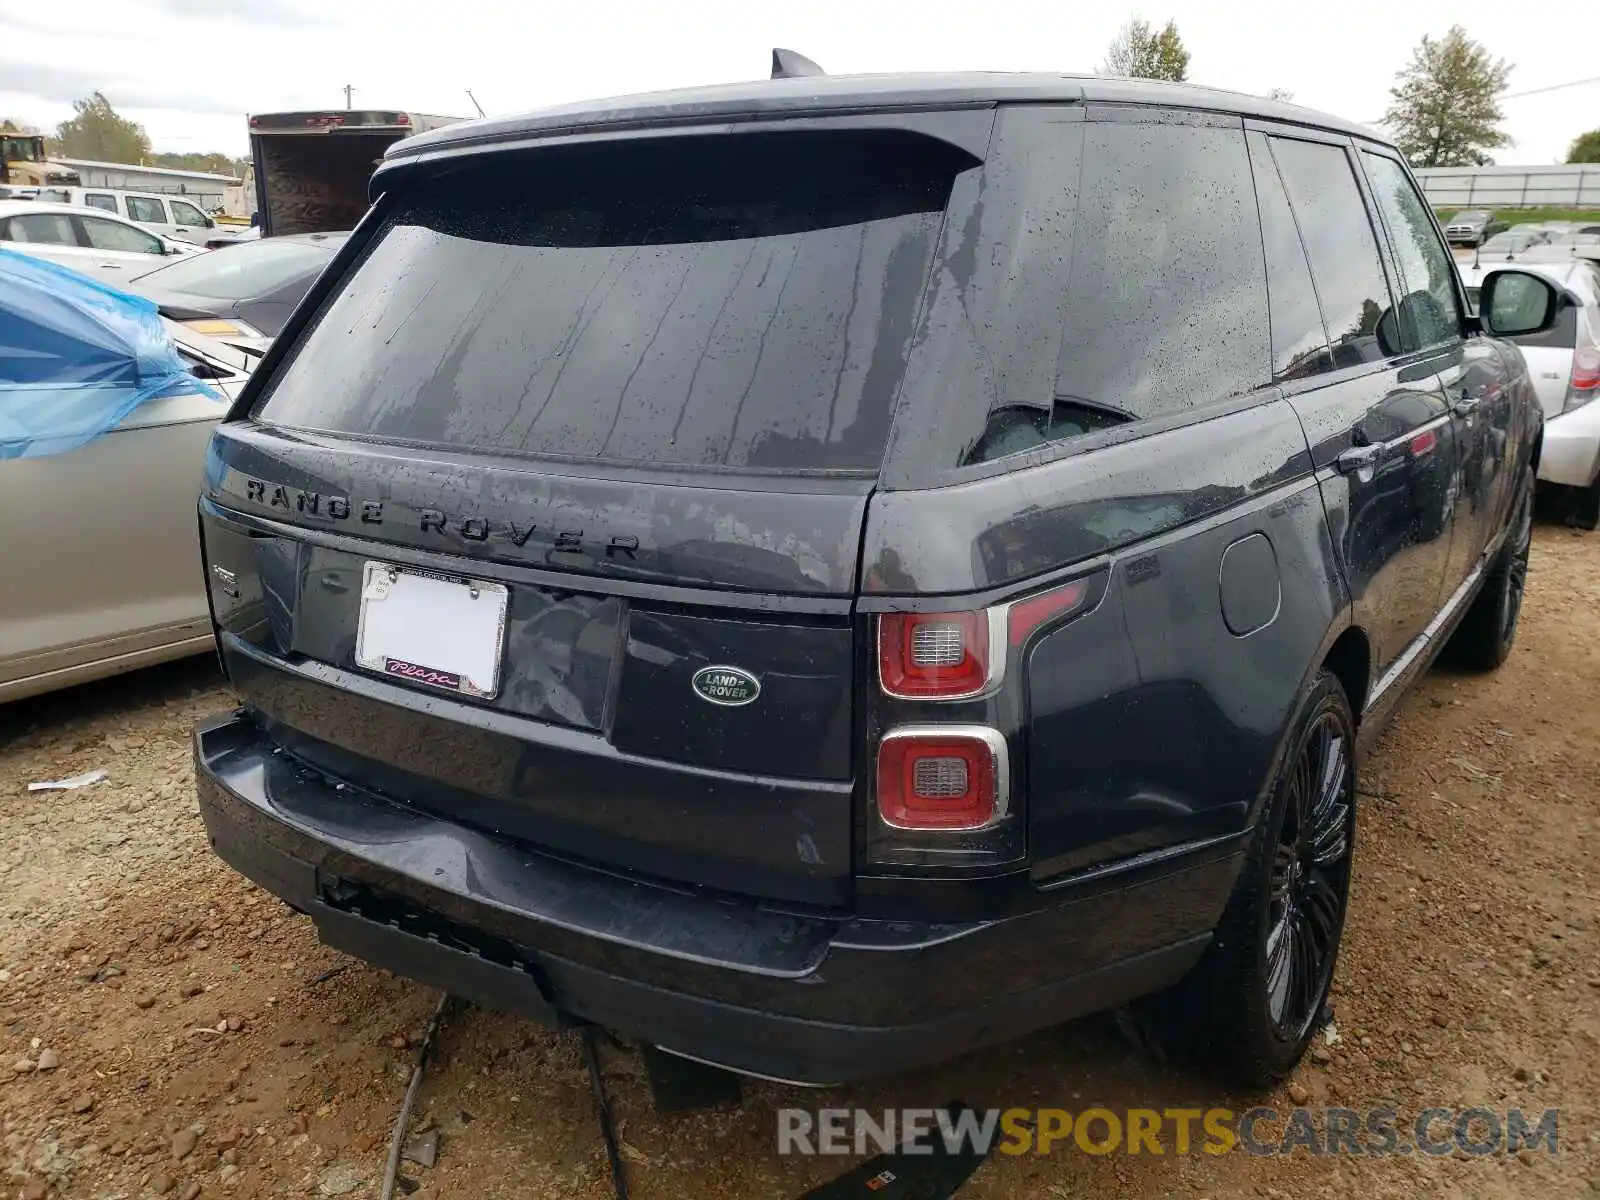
{"x":1564,"y":362}
{"x":176,"y":217}
{"x":97,"y":244}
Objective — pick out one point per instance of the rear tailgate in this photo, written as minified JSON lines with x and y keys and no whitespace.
{"x":653,"y":417}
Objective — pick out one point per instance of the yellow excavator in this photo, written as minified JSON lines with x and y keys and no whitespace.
{"x":23,"y":163}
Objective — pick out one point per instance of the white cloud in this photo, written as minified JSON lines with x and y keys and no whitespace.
{"x":189,"y":70}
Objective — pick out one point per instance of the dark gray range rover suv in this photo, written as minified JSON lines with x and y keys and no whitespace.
{"x":825,"y":574}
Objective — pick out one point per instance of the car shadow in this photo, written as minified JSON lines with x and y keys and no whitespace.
{"x":129,"y":693}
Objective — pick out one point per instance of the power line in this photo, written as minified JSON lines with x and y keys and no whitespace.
{"x":1554,"y":87}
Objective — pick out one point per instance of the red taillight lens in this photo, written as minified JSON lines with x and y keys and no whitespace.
{"x":1028,"y":615}
{"x":942,"y":777}
{"x":933,"y":656}
{"x":1585,"y":378}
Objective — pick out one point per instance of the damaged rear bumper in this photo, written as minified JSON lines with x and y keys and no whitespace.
{"x":794,"y":997}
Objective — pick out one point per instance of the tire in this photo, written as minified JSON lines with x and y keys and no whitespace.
{"x":1484,"y":638}
{"x":1248,"y":1011}
{"x":1584,"y":512}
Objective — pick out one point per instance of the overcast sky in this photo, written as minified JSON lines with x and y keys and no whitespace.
{"x":189,"y":70}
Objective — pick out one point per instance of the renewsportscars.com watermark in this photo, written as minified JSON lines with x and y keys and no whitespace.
{"x":1371,"y":1132}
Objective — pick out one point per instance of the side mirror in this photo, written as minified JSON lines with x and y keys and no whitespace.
{"x":1388,"y":335}
{"x":1517,"y":302}
{"x":210,"y":224}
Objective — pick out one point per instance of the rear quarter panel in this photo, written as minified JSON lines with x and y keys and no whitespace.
{"x":1156,"y":719}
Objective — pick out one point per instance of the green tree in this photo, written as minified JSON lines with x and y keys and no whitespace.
{"x":1585,"y":148}
{"x":1139,"y":51}
{"x":98,"y":133}
{"x":1444,"y":111}
{"x":215,"y":163}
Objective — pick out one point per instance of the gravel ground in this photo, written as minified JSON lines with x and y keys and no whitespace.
{"x":166,"y":1029}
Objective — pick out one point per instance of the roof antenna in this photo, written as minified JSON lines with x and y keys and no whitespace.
{"x":787,"y":64}
{"x":475,"y":103}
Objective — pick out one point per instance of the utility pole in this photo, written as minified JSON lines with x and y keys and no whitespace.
{"x":348,"y":89}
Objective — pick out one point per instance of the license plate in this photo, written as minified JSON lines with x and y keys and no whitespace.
{"x":435,"y":630}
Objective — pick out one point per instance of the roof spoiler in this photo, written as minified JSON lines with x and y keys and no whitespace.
{"x":787,"y":64}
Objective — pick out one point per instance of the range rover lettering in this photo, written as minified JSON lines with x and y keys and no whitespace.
{"x":822,"y":575}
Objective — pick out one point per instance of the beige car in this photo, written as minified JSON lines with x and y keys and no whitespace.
{"x":102,"y":552}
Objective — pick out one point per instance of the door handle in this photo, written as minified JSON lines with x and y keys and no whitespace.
{"x":1359,"y":458}
{"x":1466,"y":405}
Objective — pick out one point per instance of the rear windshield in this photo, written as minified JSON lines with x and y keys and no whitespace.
{"x":731,"y":302}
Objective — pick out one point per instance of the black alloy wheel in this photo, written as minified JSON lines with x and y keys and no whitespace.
{"x":1310,"y":881}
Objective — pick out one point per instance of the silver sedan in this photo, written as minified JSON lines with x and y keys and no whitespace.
{"x":102,"y":556}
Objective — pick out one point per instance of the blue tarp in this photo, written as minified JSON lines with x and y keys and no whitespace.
{"x":76,"y":357}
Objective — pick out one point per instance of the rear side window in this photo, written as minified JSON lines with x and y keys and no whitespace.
{"x":101,"y":201}
{"x":1340,"y":244}
{"x":46,"y":229}
{"x":1167,"y":304}
{"x":141,"y":208}
{"x":731,"y":302}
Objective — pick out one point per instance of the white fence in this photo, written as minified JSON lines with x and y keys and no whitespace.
{"x":1574,"y":186}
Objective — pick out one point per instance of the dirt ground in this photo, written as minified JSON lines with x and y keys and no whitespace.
{"x":166,"y":1029}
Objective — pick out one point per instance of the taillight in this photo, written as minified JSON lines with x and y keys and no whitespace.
{"x":1027,"y":615}
{"x":959,"y":655}
{"x":942,"y":777}
{"x":1585,"y":379}
{"x":935,"y":656}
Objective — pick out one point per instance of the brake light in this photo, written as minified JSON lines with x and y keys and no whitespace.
{"x":1027,"y":615}
{"x":402,"y":119}
{"x":1585,"y":379}
{"x":933,"y":656}
{"x":942,"y":777}
{"x":959,"y":655}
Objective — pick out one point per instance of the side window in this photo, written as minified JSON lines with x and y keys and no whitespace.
{"x":100,"y":200}
{"x":1430,"y":313}
{"x":1167,"y":301}
{"x":114,"y":235}
{"x":1166,"y":304}
{"x":1341,"y":246}
{"x":184,"y":213}
{"x":1299,"y":338}
{"x":142,"y":208}
{"x":45,"y":229}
